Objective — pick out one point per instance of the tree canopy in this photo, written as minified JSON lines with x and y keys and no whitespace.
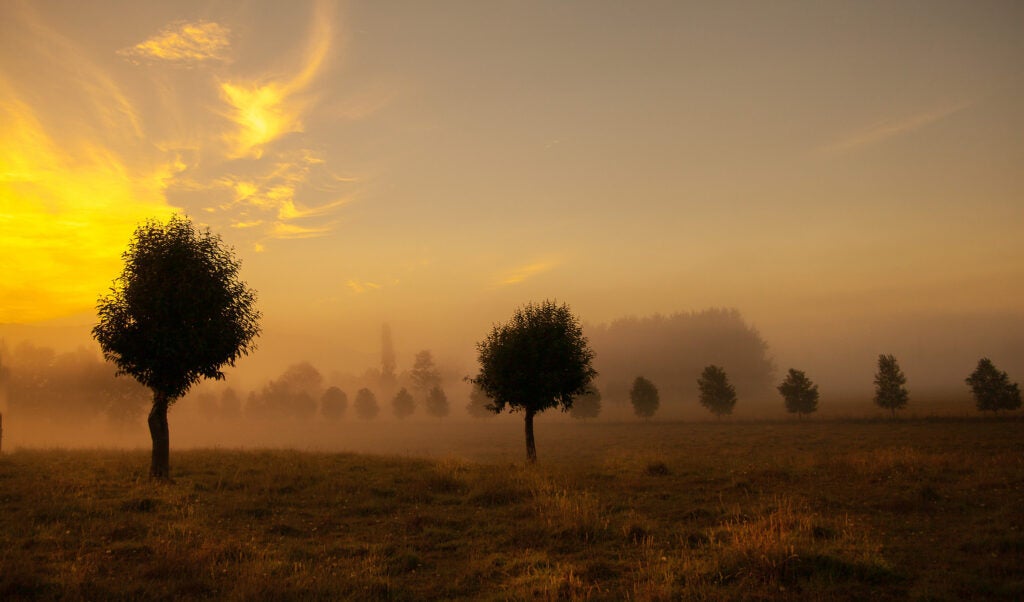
{"x":716,"y":394}
{"x":644,"y":397}
{"x":889,"y":380}
{"x":799,"y":393}
{"x":537,"y":360}
{"x":403,"y":404}
{"x":992,"y":388}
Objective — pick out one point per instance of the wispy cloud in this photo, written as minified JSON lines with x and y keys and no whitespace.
{"x":264,"y":109}
{"x":524,"y":272}
{"x":183,"y":43}
{"x":889,"y":129}
{"x":362,"y":286}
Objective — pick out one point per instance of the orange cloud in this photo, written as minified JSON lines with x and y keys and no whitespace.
{"x":264,"y":109}
{"x":184,"y":43}
{"x":522,"y":273}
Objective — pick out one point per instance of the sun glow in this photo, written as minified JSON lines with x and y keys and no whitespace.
{"x":65,"y":216}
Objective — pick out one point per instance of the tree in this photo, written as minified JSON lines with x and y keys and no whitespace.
{"x":644,"y":397}
{"x":800,"y":394}
{"x":587,"y":405}
{"x":425,"y":375}
{"x":387,"y":356}
{"x":889,"y":380}
{"x":437,"y":402}
{"x":479,"y":405}
{"x":716,"y":394}
{"x":403,"y":404}
{"x":992,"y":388}
{"x":366,"y":404}
{"x":539,"y":359}
{"x":178,"y":313}
{"x":333,"y":403}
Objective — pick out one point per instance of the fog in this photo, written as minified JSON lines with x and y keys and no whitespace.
{"x":300,"y":388}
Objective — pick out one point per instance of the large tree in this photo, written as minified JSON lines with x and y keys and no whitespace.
{"x":425,"y":375}
{"x":800,"y":394}
{"x":716,"y":393}
{"x":992,"y":388}
{"x":178,"y":313}
{"x":539,"y":359}
{"x":889,"y":380}
{"x":644,"y":397}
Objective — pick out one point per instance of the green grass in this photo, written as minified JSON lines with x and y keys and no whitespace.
{"x":927,"y":510}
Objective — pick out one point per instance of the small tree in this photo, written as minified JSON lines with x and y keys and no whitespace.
{"x":644,"y":397}
{"x":403,"y":404}
{"x":479,"y":405}
{"x":177,"y":314}
{"x":366,"y":404}
{"x":333,"y":403}
{"x":587,"y":405}
{"x":716,"y":394}
{"x":425,"y":375}
{"x":992,"y":388}
{"x":889,"y":390}
{"x":800,"y":394}
{"x":537,"y":360}
{"x":437,"y":402}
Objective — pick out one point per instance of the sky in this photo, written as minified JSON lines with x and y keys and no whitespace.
{"x":849,"y":175}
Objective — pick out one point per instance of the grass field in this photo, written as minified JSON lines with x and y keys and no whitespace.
{"x":829,"y":510}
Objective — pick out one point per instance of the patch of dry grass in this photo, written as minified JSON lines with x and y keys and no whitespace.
{"x":825,"y":511}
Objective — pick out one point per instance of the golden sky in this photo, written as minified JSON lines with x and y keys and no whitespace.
{"x":822,"y":166}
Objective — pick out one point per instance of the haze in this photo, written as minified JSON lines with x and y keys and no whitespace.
{"x":848,"y":176}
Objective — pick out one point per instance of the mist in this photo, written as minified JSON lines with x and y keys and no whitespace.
{"x":55,"y":389}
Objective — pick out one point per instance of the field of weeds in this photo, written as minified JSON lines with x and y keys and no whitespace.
{"x":846,"y":510}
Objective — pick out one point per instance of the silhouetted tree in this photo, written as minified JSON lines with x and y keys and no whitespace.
{"x":587,"y":405}
{"x":479,"y":405}
{"x":387,"y":357}
{"x":425,"y":375}
{"x":230,"y":404}
{"x":437,"y":402}
{"x":992,"y":388}
{"x":644,"y":397}
{"x":333,"y":403}
{"x":293,"y":394}
{"x":403,"y":404}
{"x":800,"y":394}
{"x":716,"y":394}
{"x":178,"y":313}
{"x":889,"y":380}
{"x":366,"y":404}
{"x":538,"y":360}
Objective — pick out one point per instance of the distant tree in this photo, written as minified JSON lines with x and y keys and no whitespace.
{"x":387,"y":357}
{"x":333,"y":403}
{"x":644,"y":397}
{"x":992,"y":388}
{"x":178,"y":313}
{"x":437,"y":402}
{"x":403,"y":404}
{"x":479,"y":405}
{"x":587,"y":406}
{"x":230,"y":404}
{"x":366,"y":404}
{"x":890,"y":393}
{"x":293,"y":394}
{"x":537,"y":360}
{"x":716,"y":394}
{"x":425,"y":375}
{"x":800,"y":394}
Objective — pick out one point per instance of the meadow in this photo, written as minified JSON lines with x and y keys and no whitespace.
{"x":922,"y":509}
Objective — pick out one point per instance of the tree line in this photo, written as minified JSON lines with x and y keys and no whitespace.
{"x":179,"y":313}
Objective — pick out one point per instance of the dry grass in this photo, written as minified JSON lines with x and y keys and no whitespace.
{"x":825,"y":511}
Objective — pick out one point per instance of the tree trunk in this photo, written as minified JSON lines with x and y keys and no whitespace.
{"x":160,"y":468}
{"x":531,"y":448}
